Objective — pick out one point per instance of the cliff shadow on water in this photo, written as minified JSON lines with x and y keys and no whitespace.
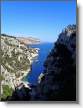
{"x":37,"y":65}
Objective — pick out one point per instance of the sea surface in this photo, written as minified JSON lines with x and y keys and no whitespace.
{"x":37,"y":66}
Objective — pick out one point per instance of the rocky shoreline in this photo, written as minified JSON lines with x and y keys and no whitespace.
{"x":16,"y":63}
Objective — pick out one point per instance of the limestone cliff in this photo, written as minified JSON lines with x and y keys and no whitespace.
{"x":16,"y":61}
{"x":28,"y":40}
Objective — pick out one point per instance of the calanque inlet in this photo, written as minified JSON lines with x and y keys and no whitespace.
{"x":57,"y":82}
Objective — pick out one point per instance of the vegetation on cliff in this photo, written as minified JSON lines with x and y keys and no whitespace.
{"x":16,"y":60}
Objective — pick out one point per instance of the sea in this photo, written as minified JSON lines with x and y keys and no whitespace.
{"x":37,"y":66}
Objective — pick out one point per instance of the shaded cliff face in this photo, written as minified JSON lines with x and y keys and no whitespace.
{"x":59,"y":79}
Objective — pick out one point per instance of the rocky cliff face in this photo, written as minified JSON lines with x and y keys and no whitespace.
{"x":16,"y":61}
{"x":28,"y":40}
{"x":58,"y":81}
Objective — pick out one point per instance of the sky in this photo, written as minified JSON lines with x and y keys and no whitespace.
{"x":43,"y":20}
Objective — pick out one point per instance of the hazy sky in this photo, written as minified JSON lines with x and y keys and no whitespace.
{"x":43,"y":20}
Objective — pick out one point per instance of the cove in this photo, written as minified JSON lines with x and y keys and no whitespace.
{"x":37,"y":66}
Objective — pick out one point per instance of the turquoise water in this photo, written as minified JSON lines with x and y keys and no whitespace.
{"x":37,"y":66}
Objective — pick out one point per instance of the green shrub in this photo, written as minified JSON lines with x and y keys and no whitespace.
{"x":6,"y":91}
